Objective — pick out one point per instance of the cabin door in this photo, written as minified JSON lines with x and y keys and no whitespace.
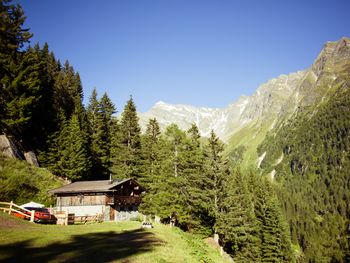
{"x":111,"y":213}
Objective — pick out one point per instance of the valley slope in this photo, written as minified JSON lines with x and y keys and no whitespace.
{"x":244,"y":124}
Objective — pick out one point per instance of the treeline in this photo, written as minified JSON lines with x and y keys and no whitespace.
{"x":187,"y":178}
{"x":314,"y":176}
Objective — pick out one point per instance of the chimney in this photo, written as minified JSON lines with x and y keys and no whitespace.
{"x":110,"y":178}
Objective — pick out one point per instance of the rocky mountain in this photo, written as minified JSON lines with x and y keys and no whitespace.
{"x":268,"y":99}
{"x":295,"y":130}
{"x":271,"y":104}
{"x":308,"y":158}
{"x":207,"y":119}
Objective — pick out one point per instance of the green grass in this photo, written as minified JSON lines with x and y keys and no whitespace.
{"x":250,"y":137}
{"x":21,"y":182}
{"x":103,"y":242}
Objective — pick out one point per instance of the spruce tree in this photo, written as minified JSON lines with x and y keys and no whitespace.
{"x":216,"y":169}
{"x":274,"y":232}
{"x":100,"y":121}
{"x":195,"y":184}
{"x":13,"y":37}
{"x":75,"y":161}
{"x":126,"y":154}
{"x":68,"y":154}
{"x":152,"y":176}
{"x":175,"y":139}
{"x":236,"y":222}
{"x":151,"y":152}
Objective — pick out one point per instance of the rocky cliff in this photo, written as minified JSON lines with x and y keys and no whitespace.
{"x":273,"y":102}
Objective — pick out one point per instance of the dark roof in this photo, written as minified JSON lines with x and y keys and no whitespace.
{"x":89,"y":186}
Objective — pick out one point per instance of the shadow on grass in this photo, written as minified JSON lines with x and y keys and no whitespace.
{"x":95,"y":247}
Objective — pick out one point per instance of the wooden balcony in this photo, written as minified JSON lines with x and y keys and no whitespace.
{"x":123,"y":200}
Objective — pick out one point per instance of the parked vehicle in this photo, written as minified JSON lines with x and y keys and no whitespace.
{"x":41,"y":215}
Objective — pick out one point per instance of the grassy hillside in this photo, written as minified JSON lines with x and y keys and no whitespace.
{"x":242,"y":146}
{"x":21,"y":182}
{"x":104,"y":242}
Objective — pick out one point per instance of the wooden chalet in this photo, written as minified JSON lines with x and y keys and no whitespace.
{"x":116,"y":200}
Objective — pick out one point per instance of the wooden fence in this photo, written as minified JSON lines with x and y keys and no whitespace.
{"x":11,"y":208}
{"x":64,"y":218}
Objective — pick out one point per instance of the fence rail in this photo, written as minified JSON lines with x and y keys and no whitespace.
{"x":11,"y":208}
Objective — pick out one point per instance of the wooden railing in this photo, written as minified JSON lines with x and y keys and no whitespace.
{"x":123,"y":200}
{"x":11,"y":208}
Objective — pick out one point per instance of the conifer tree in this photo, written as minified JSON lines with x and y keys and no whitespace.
{"x":75,"y":160}
{"x":216,"y":170}
{"x":274,"y":233}
{"x":195,"y":184}
{"x":152,"y":175}
{"x":100,"y":119}
{"x":175,"y":138}
{"x":13,"y":37}
{"x":68,"y":155}
{"x":126,"y":155}
{"x":67,"y":88}
{"x":169,"y":198}
{"x":236,"y":221}
{"x":21,"y":94}
{"x":151,"y":152}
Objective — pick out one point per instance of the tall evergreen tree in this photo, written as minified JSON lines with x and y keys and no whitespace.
{"x":151,"y":152}
{"x":101,"y":127}
{"x":216,"y":170}
{"x":68,"y":155}
{"x":195,"y":184}
{"x":175,"y":138}
{"x":13,"y":37}
{"x":152,"y":175}
{"x":75,"y":161}
{"x":126,"y":155}
{"x":236,"y":221}
{"x":274,"y":232}
{"x":67,"y":88}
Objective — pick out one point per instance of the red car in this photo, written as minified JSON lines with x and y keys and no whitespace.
{"x":41,"y":215}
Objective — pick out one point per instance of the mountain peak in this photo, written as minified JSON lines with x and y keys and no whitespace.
{"x":278,"y":97}
{"x":332,"y":50}
{"x":160,"y":103}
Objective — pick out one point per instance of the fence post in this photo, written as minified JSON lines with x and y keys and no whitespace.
{"x":32,"y":216}
{"x":11,"y":203}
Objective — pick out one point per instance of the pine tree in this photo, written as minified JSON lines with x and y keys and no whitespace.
{"x":151,"y":152}
{"x":152,"y":176}
{"x":274,"y":233}
{"x":216,"y":170}
{"x":195,"y":184}
{"x":100,"y":119}
{"x":67,"y":88}
{"x":175,"y":138}
{"x":75,"y":159}
{"x":167,"y":194}
{"x":21,"y":95}
{"x":236,"y":222}
{"x":126,"y":154}
{"x":13,"y":37}
{"x":109,"y":125}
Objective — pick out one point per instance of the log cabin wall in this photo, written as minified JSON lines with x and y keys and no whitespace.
{"x":115,"y":203}
{"x":81,"y":199}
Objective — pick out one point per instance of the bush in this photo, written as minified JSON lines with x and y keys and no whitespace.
{"x":21,"y":182}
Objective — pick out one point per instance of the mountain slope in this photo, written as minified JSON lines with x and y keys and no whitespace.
{"x":309,"y":158}
{"x":244,"y":124}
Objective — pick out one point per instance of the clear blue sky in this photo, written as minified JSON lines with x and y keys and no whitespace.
{"x":204,"y":53}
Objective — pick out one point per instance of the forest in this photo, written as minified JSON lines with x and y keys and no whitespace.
{"x":186,"y":176}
